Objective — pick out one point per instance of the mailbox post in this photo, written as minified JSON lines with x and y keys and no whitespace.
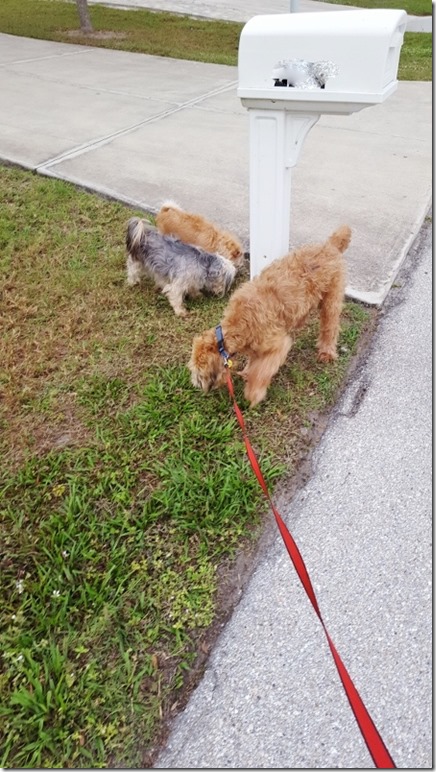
{"x":358,"y":50}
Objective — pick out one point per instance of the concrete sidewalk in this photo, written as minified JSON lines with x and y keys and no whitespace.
{"x":142,"y":129}
{"x":242,"y":10}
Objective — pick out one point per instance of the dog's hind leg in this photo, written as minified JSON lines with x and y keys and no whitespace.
{"x":175,"y":294}
{"x":261,"y":369}
{"x":330,"y":314}
{"x":135,"y":271}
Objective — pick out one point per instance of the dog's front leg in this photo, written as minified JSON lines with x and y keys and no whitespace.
{"x":261,"y":370}
{"x":175,"y":295}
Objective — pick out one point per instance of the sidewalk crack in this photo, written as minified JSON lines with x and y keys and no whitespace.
{"x":106,"y":139}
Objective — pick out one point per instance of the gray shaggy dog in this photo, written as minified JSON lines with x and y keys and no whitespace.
{"x":178,"y":269}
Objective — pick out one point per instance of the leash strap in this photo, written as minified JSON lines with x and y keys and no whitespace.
{"x":376,"y":747}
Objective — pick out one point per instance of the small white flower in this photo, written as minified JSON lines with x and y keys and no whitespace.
{"x":13,"y":617}
{"x":20,"y":658}
{"x":20,"y":586}
{"x":64,"y":554}
{"x":56,"y":593}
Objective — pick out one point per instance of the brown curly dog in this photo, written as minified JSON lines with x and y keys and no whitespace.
{"x":262,"y":315}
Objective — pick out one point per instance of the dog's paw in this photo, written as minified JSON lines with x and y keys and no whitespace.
{"x":327,"y":356}
{"x":254,"y":394}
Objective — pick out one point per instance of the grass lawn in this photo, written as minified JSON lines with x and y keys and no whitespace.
{"x":164,"y":34}
{"x":412,"y":7}
{"x":125,"y":492}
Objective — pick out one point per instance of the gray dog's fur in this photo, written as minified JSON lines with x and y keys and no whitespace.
{"x":179,"y":269}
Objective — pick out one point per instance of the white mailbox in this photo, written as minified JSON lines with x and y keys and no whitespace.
{"x":292,"y":68}
{"x":364,"y":45}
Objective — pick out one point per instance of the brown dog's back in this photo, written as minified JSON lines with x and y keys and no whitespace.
{"x":172,"y":220}
{"x":195,"y":229}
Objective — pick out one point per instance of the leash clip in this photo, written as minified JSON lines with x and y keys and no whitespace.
{"x":220,"y":340}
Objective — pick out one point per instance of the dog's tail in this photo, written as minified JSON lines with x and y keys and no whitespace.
{"x":167,"y":205}
{"x":136,"y":231}
{"x":341,"y":238}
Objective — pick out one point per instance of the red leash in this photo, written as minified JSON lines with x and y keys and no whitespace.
{"x":380,"y":754}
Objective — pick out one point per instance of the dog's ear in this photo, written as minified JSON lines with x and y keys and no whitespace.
{"x":237,"y":256}
{"x":204,"y":347}
{"x":206,"y":364}
{"x":204,"y":351}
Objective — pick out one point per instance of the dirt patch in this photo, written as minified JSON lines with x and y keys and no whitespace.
{"x":36,"y":435}
{"x":97,"y":35}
